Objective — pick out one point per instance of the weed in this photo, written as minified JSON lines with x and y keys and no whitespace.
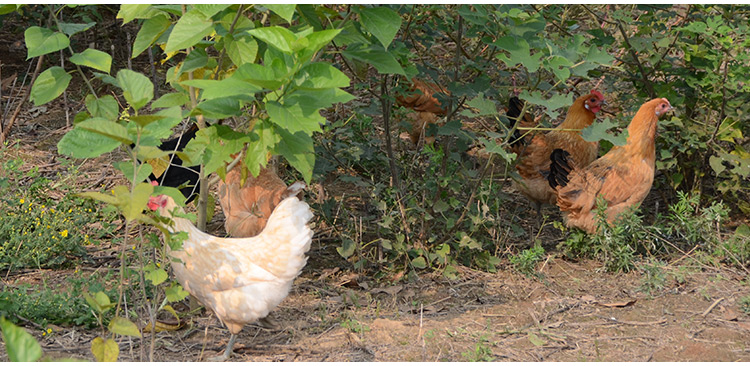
{"x":653,"y":278}
{"x":353,"y":325}
{"x":525,"y":262}
{"x":37,"y":230}
{"x":61,"y":305}
{"x":480,"y":353}
{"x":745,"y":304}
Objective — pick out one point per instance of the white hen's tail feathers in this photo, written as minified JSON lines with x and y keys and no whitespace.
{"x":288,"y":226}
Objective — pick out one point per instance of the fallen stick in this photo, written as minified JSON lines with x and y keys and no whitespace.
{"x":712,"y":306}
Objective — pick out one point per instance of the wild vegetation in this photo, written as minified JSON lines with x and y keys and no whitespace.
{"x":317,"y":86}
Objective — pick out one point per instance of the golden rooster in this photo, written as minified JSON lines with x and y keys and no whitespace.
{"x":533,"y":158}
{"x":426,"y":108}
{"x":623,"y":176}
{"x":241,"y":279}
{"x":247,"y":207}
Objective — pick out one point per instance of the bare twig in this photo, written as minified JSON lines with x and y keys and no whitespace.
{"x":6,"y":129}
{"x":712,"y":306}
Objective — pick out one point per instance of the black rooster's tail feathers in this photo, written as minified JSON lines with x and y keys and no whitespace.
{"x":559,"y":168}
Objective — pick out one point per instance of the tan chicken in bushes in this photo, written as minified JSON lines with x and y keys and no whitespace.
{"x":248,"y":205}
{"x":623,"y":176}
{"x":533,"y":154}
{"x":240,"y":279}
{"x":426,"y":108}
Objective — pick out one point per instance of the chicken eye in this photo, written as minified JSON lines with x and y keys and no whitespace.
{"x":593,"y":100}
{"x":664,"y":106}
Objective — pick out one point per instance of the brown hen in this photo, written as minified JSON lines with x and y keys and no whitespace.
{"x":533,"y":162}
{"x":421,"y":99}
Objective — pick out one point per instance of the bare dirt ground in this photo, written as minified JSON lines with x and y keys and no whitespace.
{"x":573,"y":312}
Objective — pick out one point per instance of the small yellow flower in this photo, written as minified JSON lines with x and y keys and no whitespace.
{"x":64,"y":233}
{"x":22,"y":201}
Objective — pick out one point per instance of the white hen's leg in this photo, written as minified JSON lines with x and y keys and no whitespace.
{"x":227,"y":352}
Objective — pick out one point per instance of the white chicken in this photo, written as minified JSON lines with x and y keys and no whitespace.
{"x":241,"y":279}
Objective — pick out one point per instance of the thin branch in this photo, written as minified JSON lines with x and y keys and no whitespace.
{"x":646,"y":82}
{"x":6,"y":129}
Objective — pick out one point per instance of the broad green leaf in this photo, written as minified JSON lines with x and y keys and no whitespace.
{"x":383,"y":61}
{"x":716,"y":164}
{"x":347,"y":248}
{"x":419,"y":262}
{"x":105,"y":350}
{"x":219,"y":154}
{"x":316,"y":99}
{"x":195,"y":60}
{"x":519,"y":52}
{"x":150,"y":31}
{"x":210,"y":10}
{"x":105,"y":107}
{"x":136,"y":88}
{"x":128,"y":12}
{"x":318,"y":40}
{"x":49,"y":85}
{"x":295,"y":117}
{"x":493,"y":148}
{"x":94,"y":59}
{"x":233,"y":86}
{"x":99,"y":301}
{"x":144,"y":120}
{"x":107,"y":79}
{"x":598,"y":131}
{"x":262,"y":140}
{"x":100,"y":197}
{"x":485,"y":107}
{"x":259,"y":75}
{"x":285,"y":11}
{"x":73,"y":28}
{"x":298,"y":150}
{"x":382,"y":22}
{"x":126,"y":167}
{"x":309,"y":15}
{"x":193,"y":152}
{"x":41,"y":41}
{"x":175,"y":293}
{"x":219,"y":108}
{"x":19,"y":344}
{"x":155,"y":275}
{"x":83,"y":144}
{"x":108,"y":129}
{"x":560,"y":66}
{"x":552,"y":104}
{"x":133,"y":207}
{"x":171,"y":100}
{"x":321,"y":75}
{"x":9,"y":8}
{"x":279,"y":38}
{"x":242,"y":50}
{"x":188,"y":31}
{"x":150,"y":152}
